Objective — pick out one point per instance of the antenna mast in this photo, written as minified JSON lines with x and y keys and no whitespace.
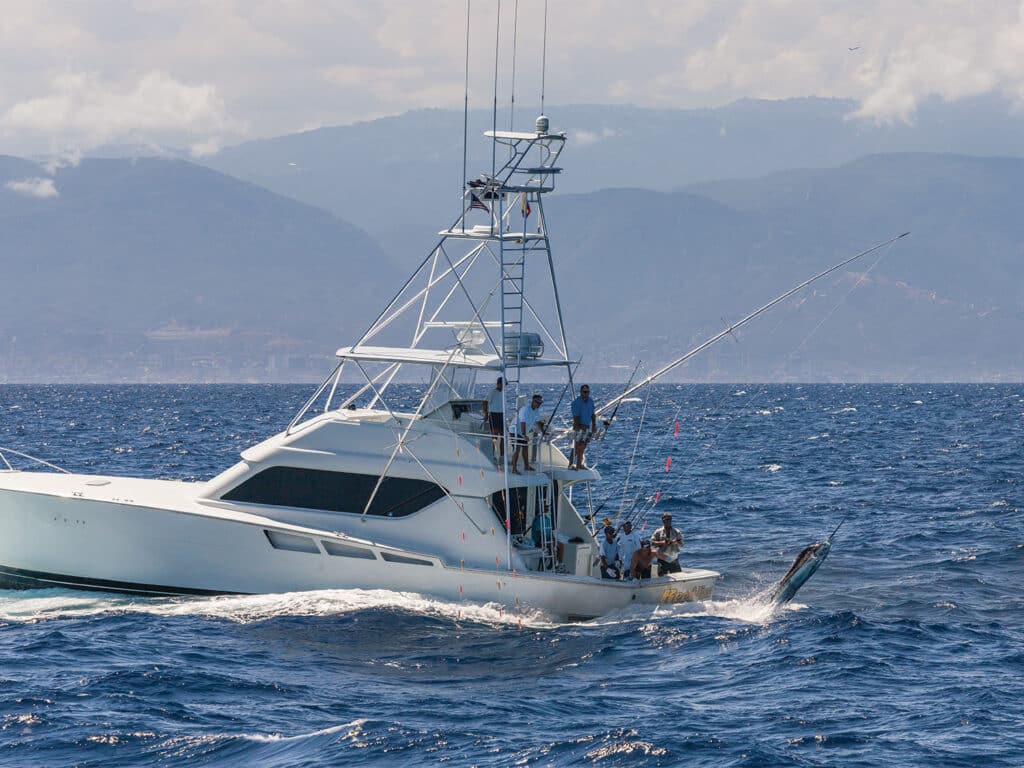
{"x":515,"y":34}
{"x":544,"y":58}
{"x":465,"y":129}
{"x":494,"y":113}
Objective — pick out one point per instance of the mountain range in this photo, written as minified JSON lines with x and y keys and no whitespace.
{"x":160,"y":269}
{"x":666,"y":227}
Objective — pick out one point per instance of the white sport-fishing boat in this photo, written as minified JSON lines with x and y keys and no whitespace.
{"x":365,"y":490}
{"x":359,"y":491}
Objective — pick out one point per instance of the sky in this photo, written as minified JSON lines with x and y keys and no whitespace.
{"x":201,"y":75}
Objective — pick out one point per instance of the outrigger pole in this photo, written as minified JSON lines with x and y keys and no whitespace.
{"x":719,"y":336}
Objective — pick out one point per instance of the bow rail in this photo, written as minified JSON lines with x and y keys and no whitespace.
{"x":11,"y":468}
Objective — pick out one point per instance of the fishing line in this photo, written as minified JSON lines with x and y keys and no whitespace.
{"x":644,"y":509}
{"x":860,"y":279}
{"x":632,"y":459}
{"x":792,"y":354}
{"x":641,"y":510}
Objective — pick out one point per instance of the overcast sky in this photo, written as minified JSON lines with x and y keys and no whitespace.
{"x":196,"y":74}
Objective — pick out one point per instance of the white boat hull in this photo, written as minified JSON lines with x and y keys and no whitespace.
{"x":58,"y":540}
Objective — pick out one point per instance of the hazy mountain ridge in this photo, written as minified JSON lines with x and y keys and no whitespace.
{"x":145,"y":267}
{"x":368,"y":172}
{"x":895,"y":320}
{"x":181,"y":272}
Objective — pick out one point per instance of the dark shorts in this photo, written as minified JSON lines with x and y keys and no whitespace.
{"x":645,"y":573}
{"x":497,"y":421}
{"x":666,"y":567}
{"x":609,"y":572}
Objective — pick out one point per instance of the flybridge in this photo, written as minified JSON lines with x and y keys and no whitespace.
{"x":485,"y":296}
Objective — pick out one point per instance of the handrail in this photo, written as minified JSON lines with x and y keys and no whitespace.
{"x":36,"y":459}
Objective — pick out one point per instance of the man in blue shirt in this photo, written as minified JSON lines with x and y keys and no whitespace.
{"x":584,"y":425}
{"x":610,"y":565}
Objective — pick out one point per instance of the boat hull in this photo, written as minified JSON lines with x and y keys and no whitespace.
{"x":60,"y":541}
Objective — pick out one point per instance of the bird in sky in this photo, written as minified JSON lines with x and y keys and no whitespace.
{"x":855,"y":48}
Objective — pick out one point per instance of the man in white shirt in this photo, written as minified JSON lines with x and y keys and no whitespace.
{"x":529,"y":421}
{"x":494,"y":414}
{"x":628,"y":543}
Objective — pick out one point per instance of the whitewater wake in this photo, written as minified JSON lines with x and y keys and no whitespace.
{"x":28,"y":606}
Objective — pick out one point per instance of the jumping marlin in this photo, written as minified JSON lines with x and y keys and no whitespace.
{"x":806,"y":563}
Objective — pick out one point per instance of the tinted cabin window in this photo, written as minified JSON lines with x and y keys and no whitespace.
{"x":518,"y":511}
{"x":335,"y":491}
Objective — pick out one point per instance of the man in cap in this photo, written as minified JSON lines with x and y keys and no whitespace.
{"x":529,"y":420}
{"x":610,"y":564}
{"x":640,"y":567}
{"x":584,"y":424}
{"x":667,"y":541}
{"x":628,"y":542}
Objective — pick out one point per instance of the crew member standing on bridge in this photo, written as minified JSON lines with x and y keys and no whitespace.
{"x":494,"y":414}
{"x":530,"y":423}
{"x":584,"y":424}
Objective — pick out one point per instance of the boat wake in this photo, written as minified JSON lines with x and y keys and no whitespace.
{"x":756,"y":608}
{"x":29,"y":606}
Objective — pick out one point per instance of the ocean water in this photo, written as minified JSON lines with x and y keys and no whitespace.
{"x":905,"y":649}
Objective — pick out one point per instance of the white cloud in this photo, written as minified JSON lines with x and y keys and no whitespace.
{"x":201,"y":73}
{"x":584,"y":137}
{"x":83,"y":110}
{"x":40,"y":187}
{"x":69,"y":157}
{"x":207,"y":147}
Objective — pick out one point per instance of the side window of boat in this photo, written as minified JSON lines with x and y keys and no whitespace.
{"x":518,"y":511}
{"x":335,"y":491}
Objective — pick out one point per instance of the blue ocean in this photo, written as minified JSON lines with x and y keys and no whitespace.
{"x":905,"y":649}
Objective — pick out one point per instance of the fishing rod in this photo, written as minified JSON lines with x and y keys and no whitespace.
{"x":605,"y":423}
{"x":722,"y":334}
{"x":561,"y":397}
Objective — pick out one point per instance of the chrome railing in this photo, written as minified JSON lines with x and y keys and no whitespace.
{"x":11,"y":468}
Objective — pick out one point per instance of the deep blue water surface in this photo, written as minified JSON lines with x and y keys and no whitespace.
{"x":905,"y":649}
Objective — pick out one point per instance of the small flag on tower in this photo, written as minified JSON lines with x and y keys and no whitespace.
{"x":525,"y":207}
{"x":477,"y":204}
